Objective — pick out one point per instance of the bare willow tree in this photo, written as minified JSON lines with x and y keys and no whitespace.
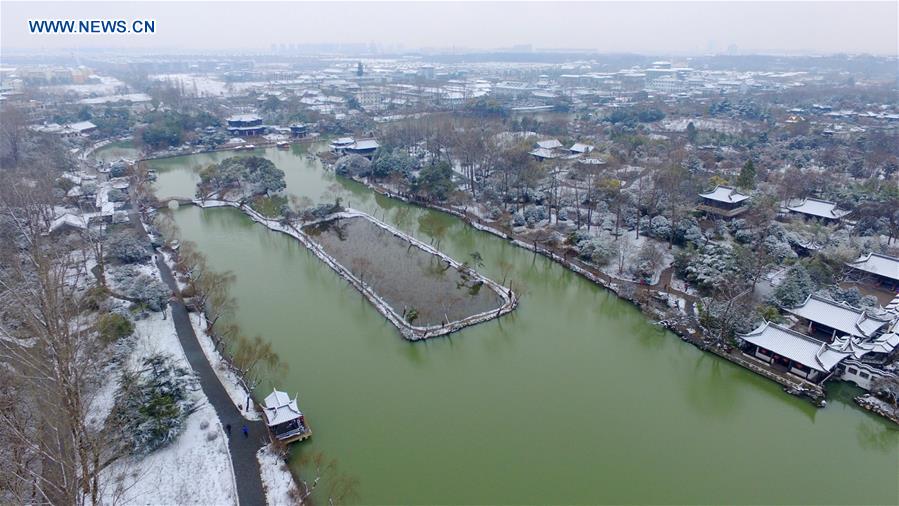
{"x":322,"y":479}
{"x":50,"y":345}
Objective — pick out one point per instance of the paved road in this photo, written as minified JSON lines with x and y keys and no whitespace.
{"x":243,"y":449}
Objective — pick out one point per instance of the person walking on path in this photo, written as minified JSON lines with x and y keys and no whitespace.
{"x":228,"y":428}
{"x":246,"y":431}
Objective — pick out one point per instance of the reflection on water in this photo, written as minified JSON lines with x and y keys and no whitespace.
{"x":572,"y":398}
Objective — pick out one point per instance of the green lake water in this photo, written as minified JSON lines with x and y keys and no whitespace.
{"x":573,"y":398}
{"x":115,"y":151}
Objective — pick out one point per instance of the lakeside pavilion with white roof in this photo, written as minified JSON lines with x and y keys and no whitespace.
{"x":284,"y":419}
{"x":792,"y":352}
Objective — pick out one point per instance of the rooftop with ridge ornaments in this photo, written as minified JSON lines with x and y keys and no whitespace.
{"x":841,"y":317}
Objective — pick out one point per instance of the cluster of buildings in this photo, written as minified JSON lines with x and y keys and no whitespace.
{"x":829,"y":340}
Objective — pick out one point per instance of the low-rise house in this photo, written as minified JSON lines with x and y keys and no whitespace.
{"x":831,"y":319}
{"x":879,"y":269}
{"x":818,"y":209}
{"x":723,"y":201}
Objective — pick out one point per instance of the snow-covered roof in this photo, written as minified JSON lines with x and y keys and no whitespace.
{"x":885,"y":344}
{"x":343,"y":141}
{"x":69,"y":220}
{"x":875,"y":263}
{"x":819,"y":208}
{"x":366,"y":144}
{"x":544,"y":153}
{"x":726,"y":194}
{"x":797,"y":347}
{"x":578,"y":147}
{"x":838,"y":316}
{"x":245,"y":118}
{"x":280,"y":408}
{"x":81,"y":126}
{"x":549,"y":144}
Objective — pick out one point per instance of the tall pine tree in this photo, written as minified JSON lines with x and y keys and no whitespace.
{"x":746,"y":180}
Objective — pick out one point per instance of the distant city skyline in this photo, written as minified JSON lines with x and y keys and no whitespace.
{"x":606,"y":27}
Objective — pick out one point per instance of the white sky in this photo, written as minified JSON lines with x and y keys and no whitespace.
{"x":642,"y":27}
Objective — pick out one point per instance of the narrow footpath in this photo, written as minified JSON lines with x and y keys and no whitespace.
{"x":242,"y":449}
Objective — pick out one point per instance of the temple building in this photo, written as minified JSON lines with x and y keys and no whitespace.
{"x":828,"y":319}
{"x":298,"y":130}
{"x":880,"y":269}
{"x":818,"y":209}
{"x":792,"y":352}
{"x":365,"y":148}
{"x":245,"y":125}
{"x":723,"y":201}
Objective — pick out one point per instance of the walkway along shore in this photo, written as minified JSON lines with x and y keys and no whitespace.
{"x":408,"y":331}
{"x":242,"y":449}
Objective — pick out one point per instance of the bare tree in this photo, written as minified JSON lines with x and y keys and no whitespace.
{"x":42,"y":285}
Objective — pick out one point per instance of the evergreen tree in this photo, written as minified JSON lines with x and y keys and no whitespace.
{"x":746,"y":180}
{"x":691,"y":132}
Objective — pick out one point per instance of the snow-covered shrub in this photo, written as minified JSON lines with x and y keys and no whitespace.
{"x":648,"y":262}
{"x":140,"y":286}
{"x":660,"y":227}
{"x":152,"y":403}
{"x":534,"y":214}
{"x":320,"y":211}
{"x":518,"y":219}
{"x":116,"y":195}
{"x":852,"y":296}
{"x":707,"y":266}
{"x":114,"y":326}
{"x":563,"y":214}
{"x":596,"y":250}
{"x":743,"y":235}
{"x":127,"y":248}
{"x":688,"y":230}
{"x":779,"y":249}
{"x":629,"y":216}
{"x":795,"y":288}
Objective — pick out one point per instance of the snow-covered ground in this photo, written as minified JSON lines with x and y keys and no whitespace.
{"x":196,"y":467}
{"x":276,"y":477}
{"x":239,"y":395}
{"x":681,"y":285}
